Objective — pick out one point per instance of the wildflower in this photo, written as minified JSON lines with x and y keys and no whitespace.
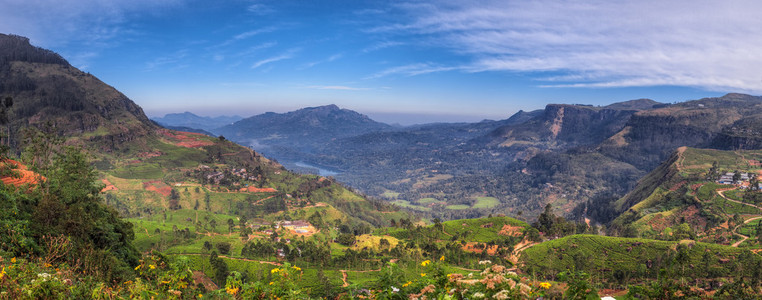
{"x":394,"y":289}
{"x":425,"y":263}
{"x":13,"y":260}
{"x":276,"y":270}
{"x":407,"y":283}
{"x":138,"y":267}
{"x":182,"y":285}
{"x":2,"y":273}
{"x":545,"y":285}
{"x":231,"y":291}
{"x":485,"y":262}
{"x":297,"y":268}
{"x":478,"y":295}
{"x":152,"y":267}
{"x":423,"y":274}
{"x":47,"y":265}
{"x":441,"y":258}
{"x":200,"y":296}
{"x":271,"y":283}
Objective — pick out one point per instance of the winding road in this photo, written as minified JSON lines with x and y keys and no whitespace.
{"x":735,"y":229}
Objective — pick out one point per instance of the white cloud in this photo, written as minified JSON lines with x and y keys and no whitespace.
{"x":327,"y":60}
{"x":286,"y":55}
{"x":706,"y":44}
{"x":248,"y":34}
{"x":412,"y":70}
{"x":51,"y":23}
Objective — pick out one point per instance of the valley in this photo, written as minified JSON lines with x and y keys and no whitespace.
{"x":572,"y":201}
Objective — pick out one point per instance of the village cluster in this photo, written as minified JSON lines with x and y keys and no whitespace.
{"x":741,"y":179}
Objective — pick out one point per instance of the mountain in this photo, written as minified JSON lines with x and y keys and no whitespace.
{"x":45,"y":88}
{"x":143,"y":164}
{"x":190,"y":120}
{"x":300,"y":128}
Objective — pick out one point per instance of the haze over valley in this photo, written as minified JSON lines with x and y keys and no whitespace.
{"x":262,"y":149}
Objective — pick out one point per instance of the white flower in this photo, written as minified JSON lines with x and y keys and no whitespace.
{"x":478,"y":295}
{"x":394,"y":289}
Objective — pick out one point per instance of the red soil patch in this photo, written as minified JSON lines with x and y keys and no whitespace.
{"x":109,"y":186}
{"x":677,"y":186}
{"x":157,"y":186}
{"x":754,"y":163}
{"x":509,"y":230}
{"x":471,"y":247}
{"x":185,"y":139}
{"x":252,"y":189}
{"x":150,"y":154}
{"x":25,"y":176}
{"x":695,"y":187}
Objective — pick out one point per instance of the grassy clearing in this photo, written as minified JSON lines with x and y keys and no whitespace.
{"x":457,"y":207}
{"x":486,"y":202}
{"x":407,"y":204}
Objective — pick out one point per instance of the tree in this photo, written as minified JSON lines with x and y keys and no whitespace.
{"x":231,"y":225}
{"x":174,"y":200}
{"x":223,"y":247}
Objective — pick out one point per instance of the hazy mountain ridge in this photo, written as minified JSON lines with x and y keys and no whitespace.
{"x":191,"y":120}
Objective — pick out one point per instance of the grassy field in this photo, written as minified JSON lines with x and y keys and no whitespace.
{"x":486,"y":202}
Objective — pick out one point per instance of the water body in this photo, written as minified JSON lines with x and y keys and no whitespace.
{"x":321,"y":171}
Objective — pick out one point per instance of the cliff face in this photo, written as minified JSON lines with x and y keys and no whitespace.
{"x":649,"y":136}
{"x":562,"y":126}
{"x":47,"y":90}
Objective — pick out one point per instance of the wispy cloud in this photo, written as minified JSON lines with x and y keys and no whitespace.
{"x":82,"y":27}
{"x":412,"y":70}
{"x":250,"y":33}
{"x":705,"y":44}
{"x":327,"y":60}
{"x":286,"y":55}
{"x":382,"y":45}
{"x":172,"y":59}
{"x":260,"y":9}
{"x":336,"y":87}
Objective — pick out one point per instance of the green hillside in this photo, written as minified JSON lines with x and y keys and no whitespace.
{"x":622,"y":261}
{"x":683,"y":199}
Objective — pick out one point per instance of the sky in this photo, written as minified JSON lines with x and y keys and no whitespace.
{"x":400,"y":61}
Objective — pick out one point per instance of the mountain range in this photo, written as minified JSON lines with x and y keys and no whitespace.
{"x":564,"y":154}
{"x":139,"y":160}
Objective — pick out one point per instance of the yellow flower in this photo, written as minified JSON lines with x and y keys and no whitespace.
{"x":423,"y":274}
{"x":297,"y":268}
{"x":13,"y":260}
{"x":441,"y":258}
{"x":165,"y":281}
{"x":271,"y":283}
{"x":408,"y":283}
{"x":152,"y":267}
{"x":183,"y":285}
{"x":2,"y":273}
{"x":200,"y":296}
{"x":138,"y":267}
{"x":47,"y":265}
{"x":425,"y":263}
{"x":545,"y":285}
{"x":232,"y":291}
{"x":276,"y":270}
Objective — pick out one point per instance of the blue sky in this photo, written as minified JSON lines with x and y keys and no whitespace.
{"x":400,"y":61}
